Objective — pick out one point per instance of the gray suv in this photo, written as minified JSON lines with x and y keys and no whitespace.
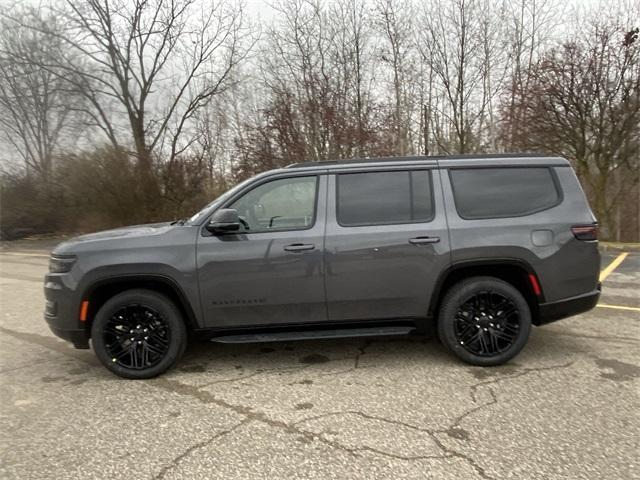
{"x":482,"y":246}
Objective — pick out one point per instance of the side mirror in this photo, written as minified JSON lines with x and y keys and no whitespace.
{"x":224,"y":221}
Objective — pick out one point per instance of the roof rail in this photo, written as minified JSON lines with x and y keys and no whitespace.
{"x":409,"y":158}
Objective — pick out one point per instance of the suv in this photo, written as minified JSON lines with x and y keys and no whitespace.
{"x":485,"y":246}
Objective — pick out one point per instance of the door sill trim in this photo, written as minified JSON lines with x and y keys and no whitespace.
{"x":285,"y":336}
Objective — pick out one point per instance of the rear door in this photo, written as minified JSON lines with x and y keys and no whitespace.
{"x":386,"y":242}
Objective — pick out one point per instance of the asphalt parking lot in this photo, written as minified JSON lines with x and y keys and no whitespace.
{"x":567,"y":407}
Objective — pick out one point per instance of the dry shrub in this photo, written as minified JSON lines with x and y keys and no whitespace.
{"x":186,"y":186}
{"x":103,"y":188}
{"x":100,"y":190}
{"x":27,"y":207}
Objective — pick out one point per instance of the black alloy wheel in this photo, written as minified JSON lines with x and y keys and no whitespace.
{"x":138,"y":334}
{"x":484,"y":321}
{"x":487,"y":323}
{"x":137,"y":337}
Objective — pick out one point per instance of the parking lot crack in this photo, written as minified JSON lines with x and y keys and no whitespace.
{"x":446,"y":451}
{"x":252,"y":415}
{"x":457,"y":421}
{"x":406,"y":458}
{"x":364,"y":415}
{"x":248,"y":412}
{"x":176,"y":461}
{"x":460,"y":418}
{"x":521,"y":373}
{"x":480,"y":470}
{"x":254,"y":374}
{"x":361,"y":351}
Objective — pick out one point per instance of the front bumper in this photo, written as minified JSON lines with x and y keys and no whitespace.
{"x":62,"y":310}
{"x":79,"y":338}
{"x":567,"y":307}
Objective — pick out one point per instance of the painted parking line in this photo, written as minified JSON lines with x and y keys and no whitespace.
{"x":618,"y":307}
{"x":605,"y":273}
{"x":612,"y":266}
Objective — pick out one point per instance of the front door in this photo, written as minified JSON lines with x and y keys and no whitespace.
{"x":270,"y":272}
{"x":386,"y":243}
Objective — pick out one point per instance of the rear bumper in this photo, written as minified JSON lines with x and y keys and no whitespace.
{"x":567,"y":307}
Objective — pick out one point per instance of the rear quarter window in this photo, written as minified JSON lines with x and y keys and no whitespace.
{"x":503,"y":192}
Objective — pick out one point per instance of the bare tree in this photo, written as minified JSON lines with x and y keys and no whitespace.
{"x":154,"y":63}
{"x":353,"y":39}
{"x":583,"y":102}
{"x":461,"y":42}
{"x":222,"y":129}
{"x":529,"y":29}
{"x":36,"y":107}
{"x":317,"y":86}
{"x":145,"y":68}
{"x":395,"y":21}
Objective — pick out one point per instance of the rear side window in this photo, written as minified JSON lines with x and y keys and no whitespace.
{"x":384,"y":198}
{"x":503,"y":192}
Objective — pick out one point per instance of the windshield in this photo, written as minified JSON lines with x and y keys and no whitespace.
{"x":199,"y":216}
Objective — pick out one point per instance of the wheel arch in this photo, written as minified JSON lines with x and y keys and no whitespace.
{"x":513,"y":271}
{"x":104,"y":289}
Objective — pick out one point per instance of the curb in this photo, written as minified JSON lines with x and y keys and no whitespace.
{"x":619,"y":247}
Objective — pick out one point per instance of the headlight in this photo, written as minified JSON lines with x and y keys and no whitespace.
{"x":60,"y":263}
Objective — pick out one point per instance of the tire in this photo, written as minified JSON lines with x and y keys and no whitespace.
{"x":484,"y":321}
{"x":138,"y":334}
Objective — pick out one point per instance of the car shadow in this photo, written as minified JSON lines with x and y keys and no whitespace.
{"x":201,"y":355}
{"x":544,"y":346}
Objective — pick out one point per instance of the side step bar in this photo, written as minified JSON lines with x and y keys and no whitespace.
{"x":284,"y":336}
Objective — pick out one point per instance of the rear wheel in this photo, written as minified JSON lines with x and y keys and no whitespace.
{"x":138,"y":334}
{"x":484,"y":321}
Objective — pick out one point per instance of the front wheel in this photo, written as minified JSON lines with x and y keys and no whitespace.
{"x":484,"y":321}
{"x":138,"y":334}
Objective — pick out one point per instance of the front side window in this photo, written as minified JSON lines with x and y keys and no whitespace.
{"x":503,"y":192}
{"x":283,"y":204}
{"x":384,"y":198}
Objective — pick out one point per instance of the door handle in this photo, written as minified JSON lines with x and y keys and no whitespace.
{"x":299,"y":247}
{"x":423,"y":240}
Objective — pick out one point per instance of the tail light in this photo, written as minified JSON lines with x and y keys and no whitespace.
{"x":585,"y":232}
